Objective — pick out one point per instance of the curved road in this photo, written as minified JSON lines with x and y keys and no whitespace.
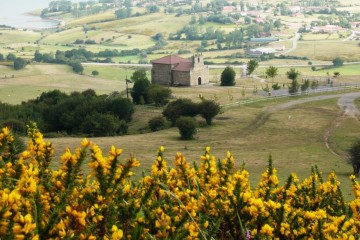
{"x":294,"y":44}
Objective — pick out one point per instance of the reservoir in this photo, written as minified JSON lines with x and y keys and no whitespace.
{"x":14,"y":13}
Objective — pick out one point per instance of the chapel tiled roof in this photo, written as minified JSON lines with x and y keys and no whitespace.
{"x":171,"y":59}
{"x":183,"y":67}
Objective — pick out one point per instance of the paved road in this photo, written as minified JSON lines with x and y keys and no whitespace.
{"x":210,"y":66}
{"x":352,"y":35}
{"x":294,"y":44}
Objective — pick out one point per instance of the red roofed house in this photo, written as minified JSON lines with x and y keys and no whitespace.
{"x":174,"y":70}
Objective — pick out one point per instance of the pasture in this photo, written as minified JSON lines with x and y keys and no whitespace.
{"x":327,"y":50}
{"x":294,"y":136}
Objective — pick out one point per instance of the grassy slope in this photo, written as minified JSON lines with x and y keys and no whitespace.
{"x":293,"y":137}
{"x":35,"y":79}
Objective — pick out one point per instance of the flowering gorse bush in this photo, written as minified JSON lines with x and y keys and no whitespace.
{"x":211,"y":200}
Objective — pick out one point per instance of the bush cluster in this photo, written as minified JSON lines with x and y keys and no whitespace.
{"x":77,"y":113}
{"x":210,"y":200}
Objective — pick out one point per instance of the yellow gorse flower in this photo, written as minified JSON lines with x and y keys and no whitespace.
{"x":196,"y":201}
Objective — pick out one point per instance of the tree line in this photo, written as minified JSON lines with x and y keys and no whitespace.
{"x":77,"y":113}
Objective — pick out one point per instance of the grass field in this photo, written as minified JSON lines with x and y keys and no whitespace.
{"x":18,"y":36}
{"x":35,"y":79}
{"x":327,"y":50}
{"x":293,"y":137}
{"x":330,"y":36}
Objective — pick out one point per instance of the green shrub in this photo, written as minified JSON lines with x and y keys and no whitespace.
{"x":157,"y":123}
{"x":208,"y":109}
{"x":187,"y":127}
{"x":180,"y":107}
{"x":228,"y":77}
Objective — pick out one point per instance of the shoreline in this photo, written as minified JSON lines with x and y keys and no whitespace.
{"x":34,"y":22}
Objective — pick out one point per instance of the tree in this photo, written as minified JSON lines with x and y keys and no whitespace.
{"x":11,"y":57}
{"x":354,"y":156}
{"x":95,"y":73}
{"x":306,"y":85}
{"x":178,"y":108}
{"x":139,"y":74}
{"x":228,"y":77}
{"x":1,"y":57}
{"x":336,"y":74}
{"x":77,"y":67}
{"x":208,"y":109}
{"x":152,"y":8}
{"x":251,"y":66}
{"x":293,"y":75}
{"x":271,"y":72}
{"x":277,"y":24}
{"x":187,"y":127}
{"x":157,"y":123}
{"x":122,"y":108}
{"x":19,"y":63}
{"x":337,"y":62}
{"x":38,"y":57}
{"x":123,"y":13}
{"x":159,"y":95}
{"x":139,"y":92}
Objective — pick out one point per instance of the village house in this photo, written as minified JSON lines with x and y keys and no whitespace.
{"x":173,"y":70}
{"x":355,"y":24}
{"x":326,"y":29}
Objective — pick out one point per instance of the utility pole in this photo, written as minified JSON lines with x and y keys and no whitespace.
{"x":127,"y":87}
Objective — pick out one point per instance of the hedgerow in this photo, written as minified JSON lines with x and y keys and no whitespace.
{"x":209,"y":200}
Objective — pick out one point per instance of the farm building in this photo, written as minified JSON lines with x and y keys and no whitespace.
{"x":173,"y":70}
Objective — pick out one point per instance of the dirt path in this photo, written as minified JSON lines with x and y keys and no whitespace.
{"x":345,"y":102}
{"x":347,"y":110}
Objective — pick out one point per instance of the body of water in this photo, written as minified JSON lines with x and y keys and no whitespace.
{"x":14,"y":13}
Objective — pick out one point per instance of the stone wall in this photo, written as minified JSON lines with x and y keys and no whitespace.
{"x":202,"y":73}
{"x":181,"y":78}
{"x":161,"y":74}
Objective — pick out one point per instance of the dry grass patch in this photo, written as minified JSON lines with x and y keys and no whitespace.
{"x":327,"y":50}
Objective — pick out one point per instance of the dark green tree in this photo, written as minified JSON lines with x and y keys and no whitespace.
{"x":354,"y":157}
{"x":271,"y":72}
{"x":159,"y":95}
{"x":180,"y":107}
{"x":139,"y":92}
{"x":122,"y":108}
{"x":123,"y":13}
{"x":152,"y":8}
{"x":187,"y":127}
{"x":19,"y":63}
{"x":157,"y":123}
{"x":77,"y":67}
{"x":1,"y":57}
{"x":277,"y":24}
{"x":337,"y":62}
{"x":139,"y":74}
{"x":11,"y":57}
{"x":38,"y":57}
{"x":208,"y":109}
{"x":293,"y":74}
{"x":228,"y":77}
{"x":95,"y":73}
{"x":306,"y":85}
{"x":251,"y":66}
